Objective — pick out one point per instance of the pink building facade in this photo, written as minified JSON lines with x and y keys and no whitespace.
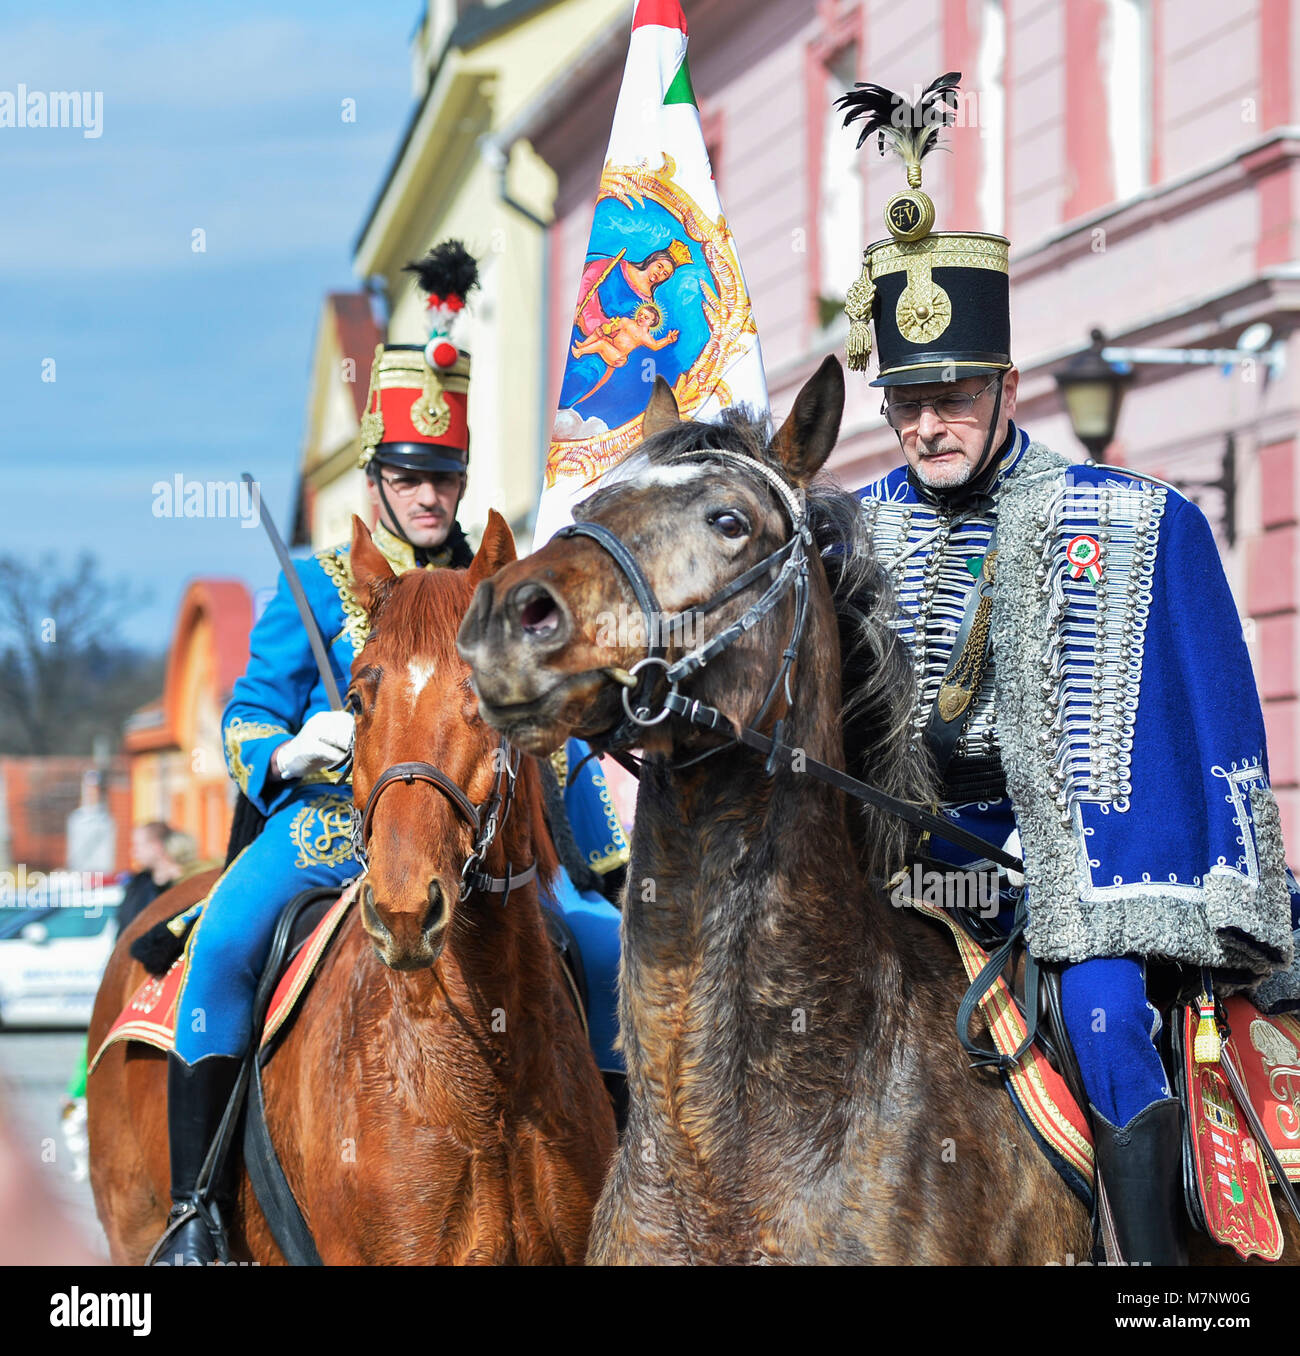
{"x":1143,"y":157}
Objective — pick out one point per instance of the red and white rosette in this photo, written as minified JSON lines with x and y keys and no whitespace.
{"x":1084,"y":556}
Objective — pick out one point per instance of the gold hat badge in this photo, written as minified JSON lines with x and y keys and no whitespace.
{"x":910,"y":130}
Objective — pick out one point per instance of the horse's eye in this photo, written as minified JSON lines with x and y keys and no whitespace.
{"x":729,"y":523}
{"x":352,"y":702}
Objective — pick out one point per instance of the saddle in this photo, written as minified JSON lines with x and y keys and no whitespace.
{"x":304,"y":931}
{"x":1236,"y":1070}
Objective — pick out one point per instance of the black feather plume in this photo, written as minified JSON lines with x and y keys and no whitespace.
{"x":910,"y":129}
{"x":448,"y":270}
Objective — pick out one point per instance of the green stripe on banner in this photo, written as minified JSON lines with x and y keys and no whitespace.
{"x":681,"y":91}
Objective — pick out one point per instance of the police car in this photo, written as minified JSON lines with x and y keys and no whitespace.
{"x":52,"y":958}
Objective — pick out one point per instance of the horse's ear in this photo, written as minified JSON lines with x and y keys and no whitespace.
{"x":496,"y":550}
{"x":662,"y":412}
{"x":371,"y":572}
{"x":809,"y":435}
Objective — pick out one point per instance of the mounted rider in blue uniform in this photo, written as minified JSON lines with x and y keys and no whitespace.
{"x":1082,"y":683}
{"x":283,"y":742}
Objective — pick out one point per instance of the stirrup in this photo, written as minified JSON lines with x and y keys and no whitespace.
{"x":190,"y":1217}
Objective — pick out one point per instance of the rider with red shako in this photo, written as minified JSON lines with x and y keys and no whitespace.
{"x":286,"y":750}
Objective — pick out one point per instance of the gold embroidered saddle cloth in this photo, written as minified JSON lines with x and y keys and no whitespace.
{"x":150,"y":1016}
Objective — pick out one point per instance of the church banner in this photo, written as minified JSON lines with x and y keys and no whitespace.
{"x":662,"y":291}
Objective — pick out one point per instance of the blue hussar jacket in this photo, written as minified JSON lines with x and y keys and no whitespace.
{"x":1120,"y":703}
{"x":282,"y":687}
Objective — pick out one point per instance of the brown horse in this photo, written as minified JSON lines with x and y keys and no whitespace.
{"x":435,"y":1100}
{"x":796,"y":1089}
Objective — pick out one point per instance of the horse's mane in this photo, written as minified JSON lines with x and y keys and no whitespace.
{"x":419,"y":613}
{"x":879,"y":687}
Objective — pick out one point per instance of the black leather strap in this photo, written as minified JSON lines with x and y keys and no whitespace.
{"x":710,"y":718}
{"x":274,"y":1194}
{"x":626,"y":730}
{"x":984,"y":981}
{"x":627,"y":562}
{"x":419,"y":772}
{"x":270,"y":1185}
{"x":501,"y":885}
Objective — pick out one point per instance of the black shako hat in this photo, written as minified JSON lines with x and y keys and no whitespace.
{"x":940,"y":300}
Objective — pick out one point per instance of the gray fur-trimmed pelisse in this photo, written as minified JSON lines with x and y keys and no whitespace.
{"x":1230,"y":923}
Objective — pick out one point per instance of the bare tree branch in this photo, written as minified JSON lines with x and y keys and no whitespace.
{"x":64,"y":674}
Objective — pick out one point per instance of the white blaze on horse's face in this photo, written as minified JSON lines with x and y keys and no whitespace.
{"x":666,"y":476}
{"x":417,"y":675}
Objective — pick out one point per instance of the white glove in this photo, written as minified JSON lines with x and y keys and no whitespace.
{"x":323,"y":740}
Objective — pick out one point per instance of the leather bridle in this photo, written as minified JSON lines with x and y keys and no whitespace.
{"x":792,"y":558}
{"x":485,"y":820}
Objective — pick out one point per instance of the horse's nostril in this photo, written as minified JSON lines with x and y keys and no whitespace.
{"x":370,"y":914}
{"x":539,"y":614}
{"x":540,"y":617}
{"x":436,"y":918}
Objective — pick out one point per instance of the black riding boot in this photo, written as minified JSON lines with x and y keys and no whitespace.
{"x":197,"y":1096}
{"x":1141,"y":1168}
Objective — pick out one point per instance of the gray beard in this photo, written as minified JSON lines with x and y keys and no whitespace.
{"x":960,"y":479}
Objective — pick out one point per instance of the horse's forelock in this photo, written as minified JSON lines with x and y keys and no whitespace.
{"x":419,"y":613}
{"x":738,"y":429}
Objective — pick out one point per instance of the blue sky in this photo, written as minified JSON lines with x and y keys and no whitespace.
{"x":226,"y":119}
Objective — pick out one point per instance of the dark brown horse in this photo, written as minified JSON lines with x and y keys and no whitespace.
{"x":796,"y":1089}
{"x":435,"y":1100}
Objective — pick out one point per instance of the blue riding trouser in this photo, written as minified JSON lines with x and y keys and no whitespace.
{"x":306,"y":843}
{"x":1113,"y":1029}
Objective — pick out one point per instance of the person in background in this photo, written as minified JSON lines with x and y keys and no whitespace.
{"x":158,"y":867}
{"x":165,"y":856}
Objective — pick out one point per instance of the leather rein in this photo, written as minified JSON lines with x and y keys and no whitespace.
{"x":485,"y":820}
{"x":639,"y":682}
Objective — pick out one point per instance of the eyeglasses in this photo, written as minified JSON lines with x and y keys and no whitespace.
{"x":901,"y":414}
{"x":405,"y":486}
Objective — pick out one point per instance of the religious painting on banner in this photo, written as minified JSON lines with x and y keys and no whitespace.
{"x":661,"y":291}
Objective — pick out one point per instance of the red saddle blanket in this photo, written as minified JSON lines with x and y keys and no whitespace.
{"x":1260,"y":1060}
{"x":150,"y":1016}
{"x":1267,"y":1054}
